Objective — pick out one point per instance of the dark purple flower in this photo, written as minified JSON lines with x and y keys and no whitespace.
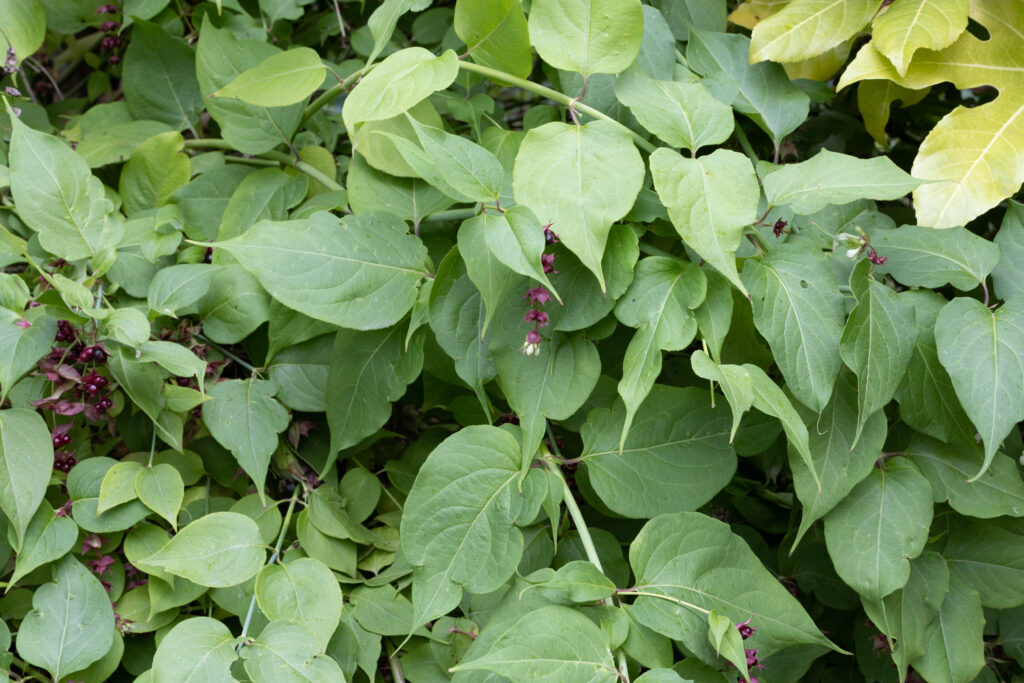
{"x":101,"y":564}
{"x":779,"y":228}
{"x":745,"y":629}
{"x":109,"y":26}
{"x":548,"y":261}
{"x":92,"y":542}
{"x":537,"y":295}
{"x":110,"y":42}
{"x":537,"y":316}
{"x":106,"y":9}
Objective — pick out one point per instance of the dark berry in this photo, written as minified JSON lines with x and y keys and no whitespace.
{"x":109,"y":26}
{"x":110,"y":42}
{"x":85,"y":355}
{"x":99,"y":354}
{"x":114,"y":59}
{"x":106,"y":9}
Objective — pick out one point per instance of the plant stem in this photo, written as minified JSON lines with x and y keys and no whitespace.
{"x":220,"y":349}
{"x":332,"y":92}
{"x":278,"y":157}
{"x":677,"y":601}
{"x":745,"y":144}
{"x":553,"y":95}
{"x":577,"y":517}
{"x":152,"y":446}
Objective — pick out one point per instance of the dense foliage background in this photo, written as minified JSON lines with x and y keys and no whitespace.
{"x":563,"y":340}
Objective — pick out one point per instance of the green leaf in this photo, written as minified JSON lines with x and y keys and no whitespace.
{"x":807,"y":28}
{"x":489,"y":275}
{"x":234,"y":306}
{"x":26,"y":460}
{"x":174,"y":358}
{"x":832,"y":178}
{"x":382,"y":23}
{"x":924,"y":257}
{"x":288,"y":651}
{"x":160,"y":488}
{"x":218,"y":549}
{"x":516,"y":238}
{"x":359,"y":272}
{"x":681,"y":114}
{"x":710,"y":201}
{"x":1010,"y":239}
{"x":24,"y":23}
{"x":551,"y":385}
{"x":245,"y":418}
{"x":118,"y":485}
{"x":677,"y":557}
{"x":587,"y":36}
{"x":799,"y":310}
{"x":199,"y":648}
{"x":989,"y":559}
{"x":578,"y":582}
{"x":902,"y":30}
{"x":878,"y":527}
{"x":21,"y":348}
{"x":305,"y":590}
{"x":47,"y":539}
{"x":179,"y":287}
{"x":128,"y":326}
{"x":954,"y":647}
{"x":58,"y":197}
{"x":677,"y":455}
{"x":981,"y":351}
{"x":159,"y":77}
{"x":281,"y":79}
{"x":142,"y":382}
{"x":156,"y":170}
{"x":496,"y":34}
{"x":265,"y":194}
{"x":581,"y":179}
{"x":410,"y":199}
{"x":397,"y":84}
{"x":875,"y":344}
{"x":948,"y":467}
{"x":550,"y":644}
{"x":728,"y":642}
{"x":761,"y":91}
{"x":71,"y":624}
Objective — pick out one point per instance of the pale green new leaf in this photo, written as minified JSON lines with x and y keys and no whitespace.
{"x":287,"y":651}
{"x":909,"y":25}
{"x":71,"y":624}
{"x":875,"y":344}
{"x":358,"y":272}
{"x":26,"y":460}
{"x":923,"y":257}
{"x":397,"y":84}
{"x":983,"y":351}
{"x":280,"y":80}
{"x":244,"y":417}
{"x":581,"y":179}
{"x":676,"y":457}
{"x":156,"y":170}
{"x":869,"y":550}
{"x":118,"y":485}
{"x":681,"y":556}
{"x":160,"y":488}
{"x":832,"y":178}
{"x":200,"y":649}
{"x":218,"y":549}
{"x":799,"y":310}
{"x":382,"y":23}
{"x":553,"y":644}
{"x":954,"y":647}
{"x":304,"y":590}
{"x":587,"y":36}
{"x":807,"y":28}
{"x":496,"y":34}
{"x":710,"y":201}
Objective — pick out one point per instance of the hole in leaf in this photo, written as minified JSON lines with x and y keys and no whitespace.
{"x":977,"y":30}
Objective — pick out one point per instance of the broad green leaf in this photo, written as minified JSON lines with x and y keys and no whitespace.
{"x":218,"y":549}
{"x":989,"y":559}
{"x":972,"y":153}
{"x":550,"y":644}
{"x":359,"y":272}
{"x":680,"y":556}
{"x":220,"y":58}
{"x":662,"y":675}
{"x":266,"y":194}
{"x":490,"y":276}
{"x":922,"y":257}
{"x":714,"y":316}
{"x":954,"y":648}
{"x":1010,"y":239}
{"x":833,"y":178}
{"x":677,"y":455}
{"x":905,"y":614}
{"x":875,"y":344}
{"x":304,"y":590}
{"x":710,"y":201}
{"x":200,"y":649}
{"x":727,"y":641}
{"x":806,"y":28}
{"x":580,"y":179}
{"x":84,"y":483}
{"x":118,"y":485}
{"x":281,"y":79}
{"x":245,"y":418}
{"x":235,"y":305}
{"x":286,"y":651}
{"x":178,"y":287}
{"x":128,"y":326}
{"x":761,"y":91}
{"x":496,"y":34}
{"x":516,"y":238}
{"x":948,"y":467}
{"x":981,"y":350}
{"x":58,"y":197}
{"x":366,"y":374}
{"x":159,"y":77}
{"x":71,"y":624}
{"x":459,"y":519}
{"x":26,"y":460}
{"x":903,"y":29}
{"x":881,"y":525}
{"x":174,"y":358}
{"x":300,"y":374}
{"x":373,"y":138}
{"x":587,"y":36}
{"x":24,"y":23}
{"x":142,"y":382}
{"x":47,"y":539}
{"x":578,"y":582}
{"x":156,"y":170}
{"x":681,"y":114}
{"x":397,"y":84}
{"x":21,"y":348}
{"x":337,"y":554}
{"x":734,"y":381}
{"x":160,"y":488}
{"x":799,"y":311}
{"x":410,"y":199}
{"x":382,"y":23}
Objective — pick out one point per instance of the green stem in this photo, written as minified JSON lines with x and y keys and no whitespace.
{"x":152,"y":446}
{"x":577,"y":517}
{"x":745,"y":144}
{"x":450,"y":215}
{"x":278,"y":157}
{"x":332,"y":92}
{"x":660,"y":596}
{"x":220,"y":349}
{"x":553,"y":95}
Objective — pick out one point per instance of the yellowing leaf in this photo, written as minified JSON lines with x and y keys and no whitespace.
{"x":909,"y":25}
{"x":874,"y":98}
{"x":976,"y":151}
{"x":750,"y":13}
{"x":807,"y":28}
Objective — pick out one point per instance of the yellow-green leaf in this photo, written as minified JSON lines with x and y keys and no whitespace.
{"x":806,"y":28}
{"x":906,"y":26}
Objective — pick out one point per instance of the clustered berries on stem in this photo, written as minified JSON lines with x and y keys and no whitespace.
{"x":538,"y":296}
